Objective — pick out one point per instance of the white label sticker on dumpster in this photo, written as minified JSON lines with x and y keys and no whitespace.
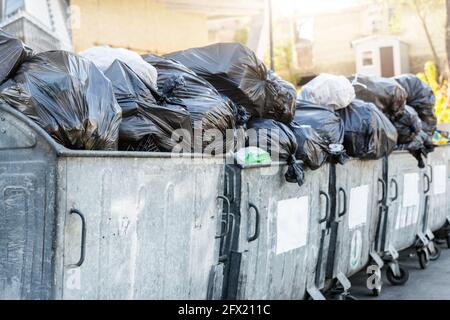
{"x":408,"y":214}
{"x":411,"y":194}
{"x":359,"y":204}
{"x":292,"y":224}
{"x":439,"y":180}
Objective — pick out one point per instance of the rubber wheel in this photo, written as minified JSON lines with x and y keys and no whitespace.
{"x":376,"y":292}
{"x":423,"y":260}
{"x":397,"y":281}
{"x":448,"y":241}
{"x":437,"y":254}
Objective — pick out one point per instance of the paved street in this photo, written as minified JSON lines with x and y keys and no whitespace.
{"x":430,"y":284}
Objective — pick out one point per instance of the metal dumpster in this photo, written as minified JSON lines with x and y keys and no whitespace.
{"x":274,"y":240}
{"x":359,"y":190}
{"x":439,"y":198}
{"x":408,"y":206}
{"x":104,"y":225}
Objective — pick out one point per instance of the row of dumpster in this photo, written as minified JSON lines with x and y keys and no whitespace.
{"x":121,"y":225}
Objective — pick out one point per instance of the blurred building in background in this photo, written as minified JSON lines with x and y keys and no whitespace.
{"x":42,"y":24}
{"x":369,"y":36}
{"x":162,"y":26}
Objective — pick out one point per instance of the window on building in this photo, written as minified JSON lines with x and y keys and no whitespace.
{"x":11,"y":7}
{"x":367,"y":59}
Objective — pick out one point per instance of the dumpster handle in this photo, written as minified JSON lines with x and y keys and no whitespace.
{"x":344,"y":211}
{"x":395,"y":183}
{"x":226,"y":222}
{"x":257,"y":226}
{"x":431,"y":173}
{"x":327,"y":216}
{"x":384,"y":196}
{"x":83,"y":239}
{"x":428,"y":179}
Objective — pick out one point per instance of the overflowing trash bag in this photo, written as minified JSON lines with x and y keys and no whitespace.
{"x":280,"y":142}
{"x":312,"y":148}
{"x":12,"y":54}
{"x":422,"y":99}
{"x":420,"y":147}
{"x":103,"y":57}
{"x":148,"y":123}
{"x":411,"y":136}
{"x":385,"y":93}
{"x":408,"y":126}
{"x":236,"y":72}
{"x":369,"y":135}
{"x":336,"y":92}
{"x":69,"y":97}
{"x":209,"y":111}
{"x":330,"y":130}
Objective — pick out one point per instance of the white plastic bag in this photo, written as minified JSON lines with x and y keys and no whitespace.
{"x":104,"y":56}
{"x":328,"y":90}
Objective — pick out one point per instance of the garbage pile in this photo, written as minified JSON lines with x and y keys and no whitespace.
{"x":236,"y":72}
{"x":369,"y":135}
{"x":67,"y":96}
{"x":217,"y":100}
{"x":409,"y":104}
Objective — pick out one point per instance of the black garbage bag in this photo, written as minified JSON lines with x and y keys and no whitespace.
{"x":279,"y":141}
{"x":12,"y":54}
{"x":209,"y":111}
{"x":369,"y":135}
{"x":422,"y":99}
{"x":312,"y":148}
{"x":408,"y":126}
{"x":420,"y":147}
{"x":69,"y":97}
{"x":236,"y":72}
{"x":385,"y":93}
{"x":148,"y":122}
{"x":328,"y":125}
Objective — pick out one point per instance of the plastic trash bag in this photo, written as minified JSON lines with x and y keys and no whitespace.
{"x":312,"y":149}
{"x":385,"y":93}
{"x":328,"y":125}
{"x":419,"y":147}
{"x":69,"y":97}
{"x":236,"y":72}
{"x":209,"y":111}
{"x":335,"y":92}
{"x":408,"y":126}
{"x":422,"y":99}
{"x":279,"y":141}
{"x":369,"y":135}
{"x":148,"y":124}
{"x":12,"y":54}
{"x":104,"y":56}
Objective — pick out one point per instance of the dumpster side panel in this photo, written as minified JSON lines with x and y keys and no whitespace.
{"x":281,"y":262}
{"x":27,"y":199}
{"x":406,"y":201}
{"x":151,"y":228}
{"x":359,"y":192}
{"x":438,"y":195}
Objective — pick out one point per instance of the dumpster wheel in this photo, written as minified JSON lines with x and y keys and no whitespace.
{"x":400,"y":280}
{"x":437,"y":253}
{"x":423,"y":259}
{"x":448,"y":241}
{"x":376,"y":292}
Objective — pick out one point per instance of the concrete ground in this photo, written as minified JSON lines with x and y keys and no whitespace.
{"x":430,"y":284}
